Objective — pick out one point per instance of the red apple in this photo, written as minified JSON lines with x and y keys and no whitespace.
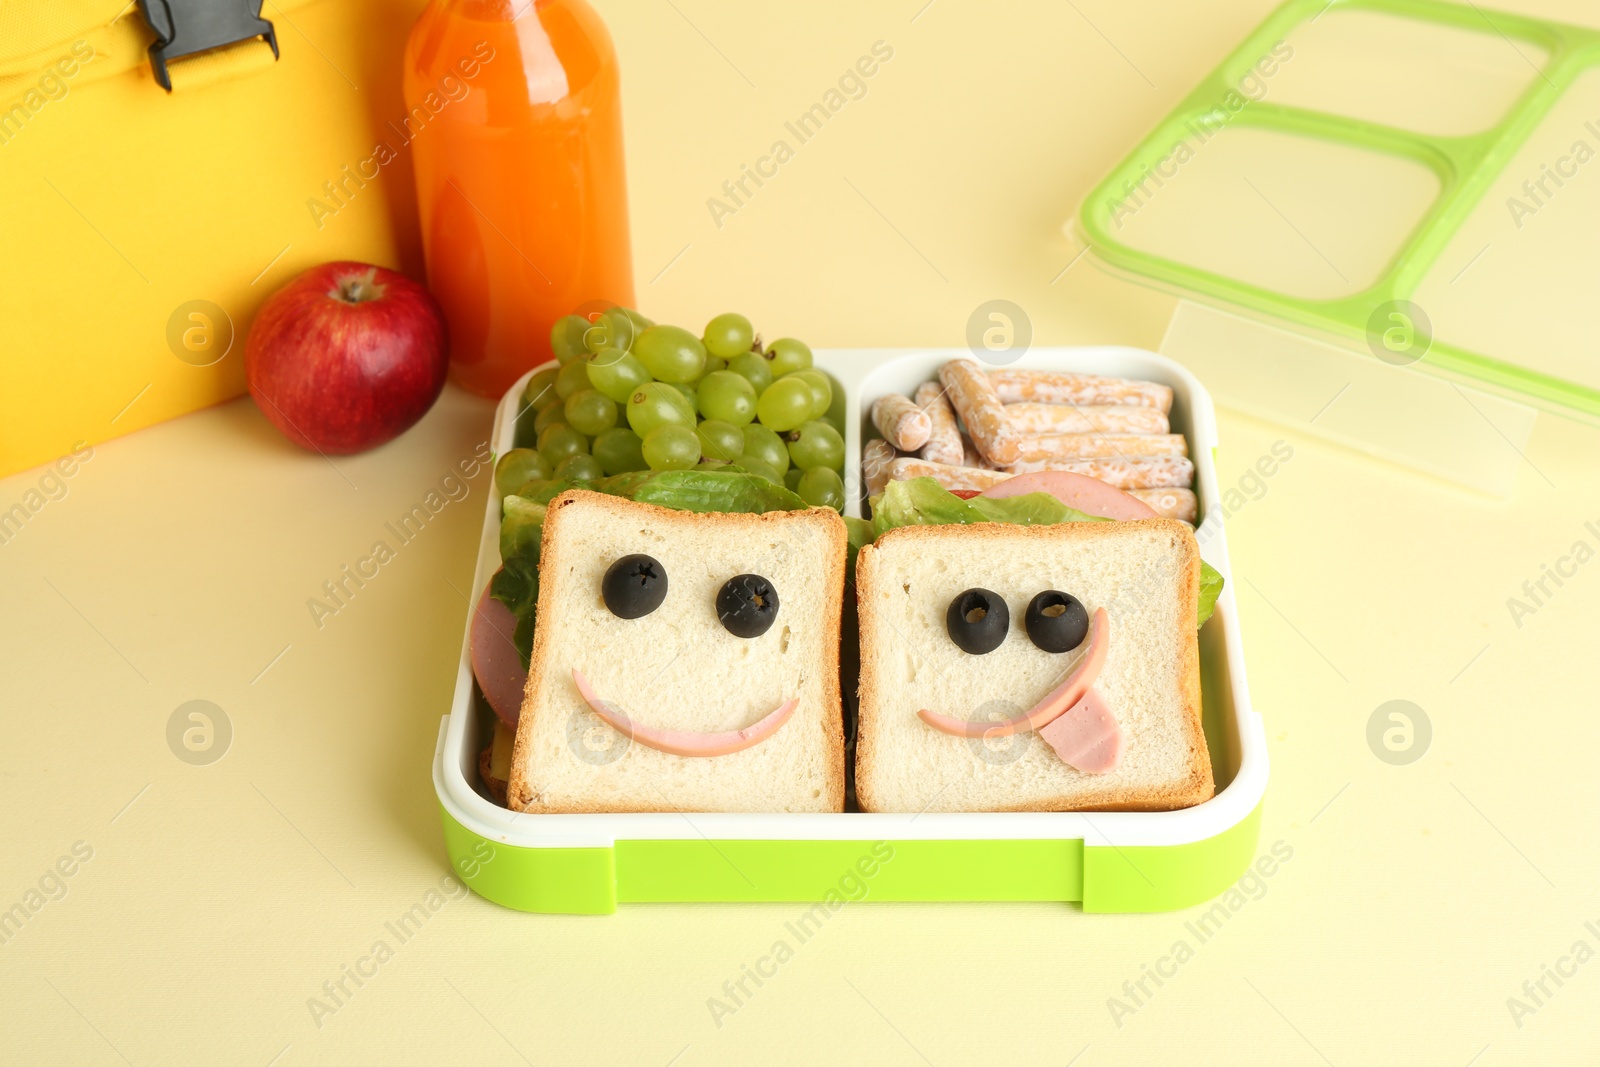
{"x":346,"y":356}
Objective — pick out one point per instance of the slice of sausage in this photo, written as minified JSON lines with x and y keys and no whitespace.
{"x":1088,"y":495}
{"x":683,"y":742}
{"x":495,"y":662}
{"x":1087,"y":736}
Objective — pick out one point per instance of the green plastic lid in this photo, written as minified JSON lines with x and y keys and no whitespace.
{"x":1414,"y":184}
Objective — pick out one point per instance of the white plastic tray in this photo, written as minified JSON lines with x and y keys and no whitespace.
{"x":1234,"y":731}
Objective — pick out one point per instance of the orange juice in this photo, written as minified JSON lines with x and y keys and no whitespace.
{"x":517,"y":133}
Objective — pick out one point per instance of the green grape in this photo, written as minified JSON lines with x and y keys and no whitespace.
{"x":791,"y":478}
{"x":710,"y":464}
{"x":611,"y":328}
{"x":550,"y":415}
{"x":720,"y":441}
{"x":760,"y":468}
{"x":560,"y":441}
{"x":727,"y":397}
{"x":821,"y":487}
{"x":753,"y":369}
{"x":835,"y":414}
{"x":671,"y":447}
{"x":766,"y":446}
{"x":589,"y":411}
{"x":580,"y":467}
{"x":566,"y":337}
{"x":714,"y":363}
{"x":821,"y":391}
{"x":640,"y":323}
{"x":537,"y":395}
{"x":516,"y":467}
{"x":816,"y":444}
{"x":573,"y":377}
{"x":786,"y":355}
{"x":728,"y":335}
{"x":540,"y":389}
{"x":688,"y":394}
{"x":657,"y":404}
{"x":671,"y":353}
{"x":616,"y":373}
{"x":523,"y":433}
{"x":786,"y":404}
{"x":618,"y":450}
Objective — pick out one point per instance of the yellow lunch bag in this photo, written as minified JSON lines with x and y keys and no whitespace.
{"x":143,"y":225}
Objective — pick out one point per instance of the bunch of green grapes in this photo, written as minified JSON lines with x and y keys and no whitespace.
{"x":628,"y":394}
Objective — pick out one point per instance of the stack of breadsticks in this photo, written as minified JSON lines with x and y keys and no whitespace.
{"x":973,"y":428}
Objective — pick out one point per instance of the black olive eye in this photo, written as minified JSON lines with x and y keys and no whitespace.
{"x":747,"y":604}
{"x":1057,"y":621}
{"x":634,"y":586}
{"x":977,"y":621}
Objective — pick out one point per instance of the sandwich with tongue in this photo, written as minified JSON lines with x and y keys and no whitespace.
{"x":1052,"y":606}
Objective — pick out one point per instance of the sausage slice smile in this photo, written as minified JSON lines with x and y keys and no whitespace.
{"x":683,"y":742}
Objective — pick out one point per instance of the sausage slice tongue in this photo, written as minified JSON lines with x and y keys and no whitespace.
{"x":1087,"y":736}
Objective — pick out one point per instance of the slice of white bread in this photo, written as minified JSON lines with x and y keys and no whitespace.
{"x":1146,"y":575}
{"x":677,"y":668}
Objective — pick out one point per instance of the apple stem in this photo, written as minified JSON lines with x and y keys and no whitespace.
{"x":356,"y":288}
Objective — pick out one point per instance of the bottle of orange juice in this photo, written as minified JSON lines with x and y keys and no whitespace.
{"x":516,"y":125}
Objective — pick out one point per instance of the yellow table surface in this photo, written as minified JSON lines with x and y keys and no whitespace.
{"x":217,"y":900}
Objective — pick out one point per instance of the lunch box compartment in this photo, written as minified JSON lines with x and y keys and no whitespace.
{"x":1109,"y":862}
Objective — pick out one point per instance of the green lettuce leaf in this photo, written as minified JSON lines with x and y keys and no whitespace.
{"x":516,"y":585}
{"x":858,"y":532}
{"x":727,"y":489}
{"x":521,"y":525}
{"x":1210,"y":589}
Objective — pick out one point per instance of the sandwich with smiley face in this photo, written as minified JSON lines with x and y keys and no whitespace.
{"x":683,"y":661}
{"x":1008,"y":666}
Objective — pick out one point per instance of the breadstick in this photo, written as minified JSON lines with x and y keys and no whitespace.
{"x":1053,"y":447}
{"x":970,"y":456}
{"x":876,"y":456}
{"x":944,"y":440}
{"x":973,"y":397}
{"x":1148,"y":472}
{"x":902,"y":423}
{"x":950,"y":477}
{"x":1138,"y":472}
{"x":1029,"y":418}
{"x":1054,"y":387}
{"x":1170,"y":503}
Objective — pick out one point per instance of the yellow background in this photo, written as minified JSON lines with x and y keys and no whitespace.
{"x":177,"y":567}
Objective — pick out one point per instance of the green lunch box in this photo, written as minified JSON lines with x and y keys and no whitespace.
{"x":1109,"y":862}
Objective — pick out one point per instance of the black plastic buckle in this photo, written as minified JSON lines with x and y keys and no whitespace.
{"x":184,"y":27}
